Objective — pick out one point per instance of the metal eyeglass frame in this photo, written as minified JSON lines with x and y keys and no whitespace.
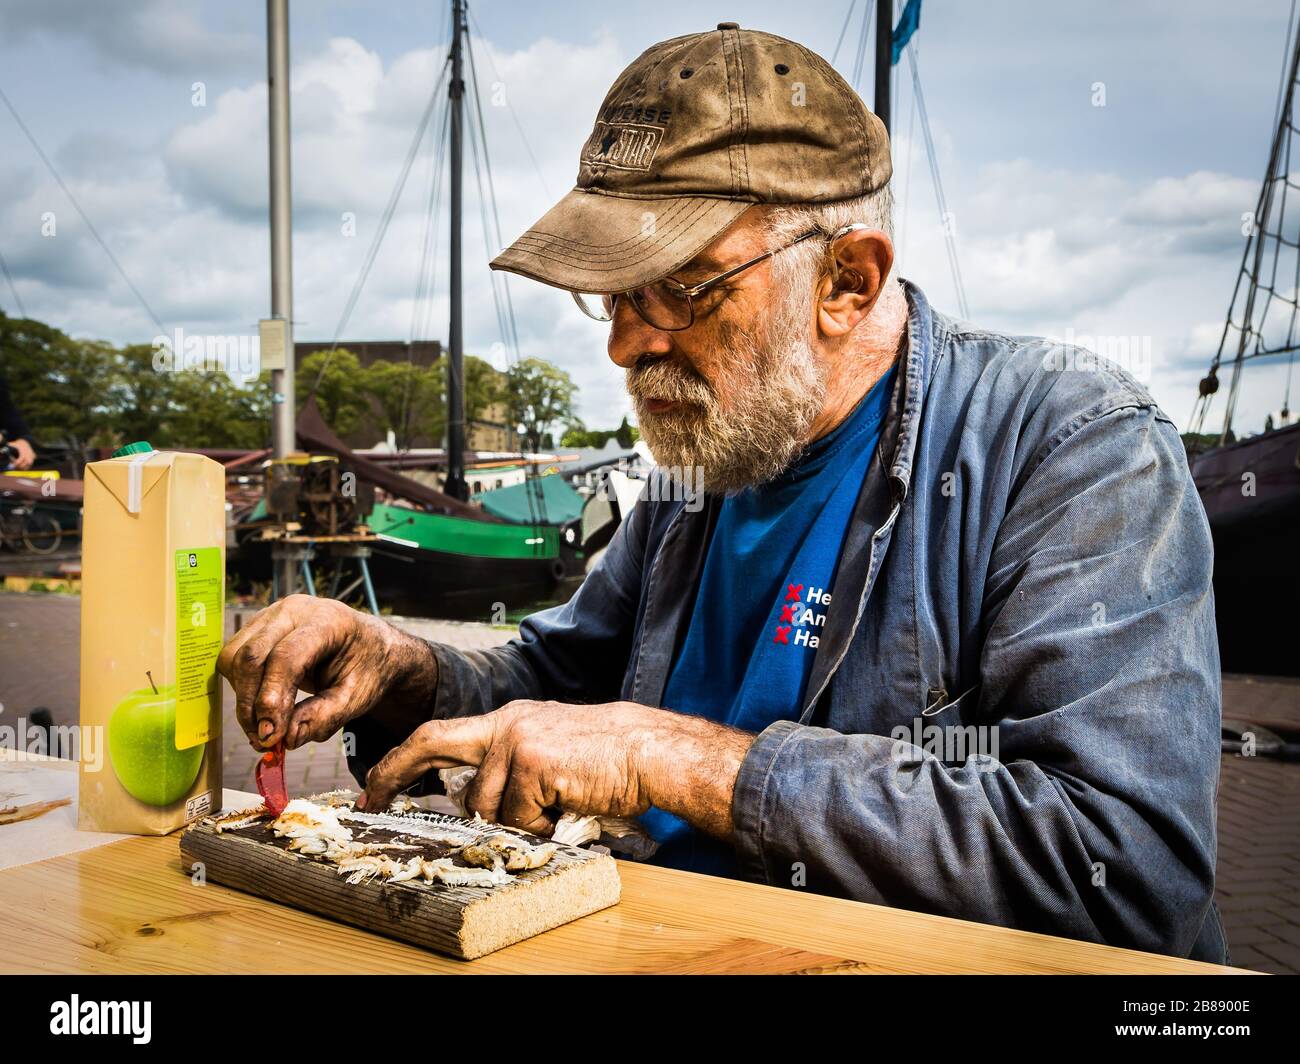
{"x":689,"y":294}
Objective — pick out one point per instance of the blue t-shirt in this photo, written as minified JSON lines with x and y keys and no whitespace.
{"x":762,"y":602}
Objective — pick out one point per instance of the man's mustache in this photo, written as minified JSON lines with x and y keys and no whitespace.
{"x":665,"y":380}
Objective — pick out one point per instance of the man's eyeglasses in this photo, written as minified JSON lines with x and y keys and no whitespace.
{"x":668,"y":304}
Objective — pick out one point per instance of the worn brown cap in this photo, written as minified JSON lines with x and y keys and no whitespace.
{"x":692,"y":134}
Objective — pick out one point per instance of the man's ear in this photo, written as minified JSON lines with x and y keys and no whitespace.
{"x":863,"y":259}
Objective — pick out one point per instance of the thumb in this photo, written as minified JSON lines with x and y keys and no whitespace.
{"x":434,"y":744}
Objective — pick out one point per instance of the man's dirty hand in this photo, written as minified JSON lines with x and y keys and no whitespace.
{"x":349,"y":662}
{"x":536,"y":759}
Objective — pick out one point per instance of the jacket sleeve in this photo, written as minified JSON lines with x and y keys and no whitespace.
{"x":1099,"y":678}
{"x":576,"y":652}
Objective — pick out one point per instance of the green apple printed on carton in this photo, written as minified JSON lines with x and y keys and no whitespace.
{"x":142,"y":747}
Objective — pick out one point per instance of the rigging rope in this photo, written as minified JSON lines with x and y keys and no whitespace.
{"x":384,"y":220}
{"x":918,"y":106}
{"x":84,"y":217}
{"x":949,"y":237}
{"x":506,"y":323}
{"x":523,"y":137}
{"x":1250,"y":328}
{"x":843,"y":30}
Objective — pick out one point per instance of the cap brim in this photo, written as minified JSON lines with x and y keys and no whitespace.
{"x":591,"y":242}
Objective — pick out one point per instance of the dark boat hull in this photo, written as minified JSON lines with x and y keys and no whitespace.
{"x":1256,"y":549}
{"x":419,"y":582}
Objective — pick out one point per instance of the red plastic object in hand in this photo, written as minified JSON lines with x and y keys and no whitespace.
{"x":270,"y":780}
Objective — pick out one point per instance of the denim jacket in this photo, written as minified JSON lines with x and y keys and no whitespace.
{"x":1028,"y":566}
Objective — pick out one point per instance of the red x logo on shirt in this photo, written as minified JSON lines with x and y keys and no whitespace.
{"x":782,"y":634}
{"x":787,"y":612}
{"x":793,"y":591}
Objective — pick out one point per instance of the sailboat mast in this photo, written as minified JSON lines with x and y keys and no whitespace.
{"x":884,"y":58}
{"x":455,"y":483}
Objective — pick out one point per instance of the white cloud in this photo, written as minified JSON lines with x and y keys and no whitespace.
{"x":1043,"y":248}
{"x":167,"y":36}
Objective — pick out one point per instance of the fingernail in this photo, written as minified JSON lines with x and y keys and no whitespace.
{"x":265,"y":729}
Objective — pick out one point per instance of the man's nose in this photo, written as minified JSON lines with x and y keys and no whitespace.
{"x":630,"y":336}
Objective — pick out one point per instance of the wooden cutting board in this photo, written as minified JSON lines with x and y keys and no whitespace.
{"x":464,"y":922}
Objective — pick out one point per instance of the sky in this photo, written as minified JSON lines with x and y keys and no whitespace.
{"x":1097,"y":161}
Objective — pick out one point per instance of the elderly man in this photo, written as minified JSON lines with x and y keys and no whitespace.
{"x":912,"y":531}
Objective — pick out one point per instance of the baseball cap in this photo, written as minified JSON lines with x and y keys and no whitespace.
{"x":691,"y":135}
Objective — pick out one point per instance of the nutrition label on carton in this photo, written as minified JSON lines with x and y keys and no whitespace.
{"x":200,"y":598}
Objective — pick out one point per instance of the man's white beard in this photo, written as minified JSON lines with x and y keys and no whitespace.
{"x":776,"y":390}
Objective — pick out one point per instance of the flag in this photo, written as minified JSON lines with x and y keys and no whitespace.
{"x":908,"y":23}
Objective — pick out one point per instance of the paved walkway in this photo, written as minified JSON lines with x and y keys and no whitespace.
{"x":1258,"y":878}
{"x":1259,"y":798}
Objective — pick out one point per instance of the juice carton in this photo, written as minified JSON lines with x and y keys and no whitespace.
{"x":152,"y":622}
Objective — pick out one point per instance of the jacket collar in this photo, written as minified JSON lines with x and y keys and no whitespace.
{"x":898,"y":438}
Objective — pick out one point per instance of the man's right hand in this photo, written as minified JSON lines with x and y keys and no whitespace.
{"x":350,"y":662}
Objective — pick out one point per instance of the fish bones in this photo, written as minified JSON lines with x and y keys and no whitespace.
{"x":319,"y":831}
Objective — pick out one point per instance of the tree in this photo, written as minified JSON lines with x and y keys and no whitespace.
{"x":576,"y":435}
{"x":409,"y":398}
{"x":340,"y":391}
{"x":84,"y":393}
{"x":141,"y":397}
{"x":538,"y":394}
{"x":62,"y":385}
{"x":626,"y":434}
{"x":208,"y":409}
{"x":484,"y":387}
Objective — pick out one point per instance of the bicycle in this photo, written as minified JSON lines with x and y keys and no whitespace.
{"x":22,"y":526}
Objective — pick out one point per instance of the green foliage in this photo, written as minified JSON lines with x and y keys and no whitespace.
{"x":1198,"y":443}
{"x":340,"y":389}
{"x":576,"y":435}
{"x":88,"y":393}
{"x":211,"y":410}
{"x":484,"y":387}
{"x":62,"y":386}
{"x":538,"y":395}
{"x":410,"y":399}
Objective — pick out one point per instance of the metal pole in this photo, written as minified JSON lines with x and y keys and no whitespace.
{"x":455,"y":484}
{"x":884,"y":57}
{"x":283,"y":436}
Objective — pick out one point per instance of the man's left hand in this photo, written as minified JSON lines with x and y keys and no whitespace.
{"x":536,"y":758}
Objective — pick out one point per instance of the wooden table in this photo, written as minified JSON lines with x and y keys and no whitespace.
{"x":127,"y":907}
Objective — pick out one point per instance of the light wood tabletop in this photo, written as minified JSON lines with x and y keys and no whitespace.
{"x":128,"y":906}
